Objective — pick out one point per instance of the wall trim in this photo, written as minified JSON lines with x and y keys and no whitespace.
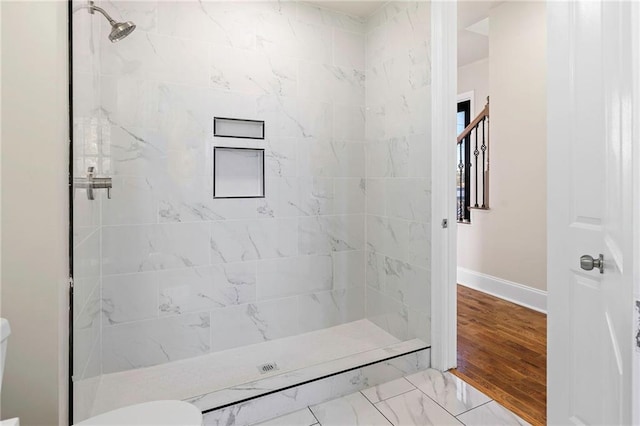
{"x":444,"y":83}
{"x":517,"y":293}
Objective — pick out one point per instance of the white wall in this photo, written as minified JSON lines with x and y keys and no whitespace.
{"x":474,"y":77}
{"x":509,"y":242}
{"x":34,"y":209}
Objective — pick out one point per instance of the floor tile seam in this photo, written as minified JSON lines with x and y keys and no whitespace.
{"x":503,"y":405}
{"x":425,"y":394}
{"x":445,"y":409}
{"x":313,"y":414}
{"x":381,"y":413}
{"x":382,"y":400}
{"x":478,"y":406}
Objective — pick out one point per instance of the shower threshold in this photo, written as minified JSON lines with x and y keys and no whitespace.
{"x":223,"y":378}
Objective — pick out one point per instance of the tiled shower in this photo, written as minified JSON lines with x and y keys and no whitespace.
{"x":164,"y":272}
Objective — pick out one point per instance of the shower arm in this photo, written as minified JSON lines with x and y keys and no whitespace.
{"x":92,"y":8}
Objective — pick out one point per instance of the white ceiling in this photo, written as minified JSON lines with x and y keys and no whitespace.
{"x":360,"y":9}
{"x":471,"y":46}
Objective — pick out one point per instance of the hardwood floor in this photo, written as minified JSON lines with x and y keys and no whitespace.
{"x":502,"y":351}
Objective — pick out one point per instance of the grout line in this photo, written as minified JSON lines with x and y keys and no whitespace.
{"x":365,"y":396}
{"x":381,"y":413}
{"x":313,"y":414}
{"x":471,"y":409}
{"x":440,"y":405}
{"x":384,"y":400}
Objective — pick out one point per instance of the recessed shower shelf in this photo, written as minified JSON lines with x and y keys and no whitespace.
{"x":238,"y":172}
{"x":238,"y":128}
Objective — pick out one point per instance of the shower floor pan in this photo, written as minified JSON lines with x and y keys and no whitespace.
{"x":224,"y":378}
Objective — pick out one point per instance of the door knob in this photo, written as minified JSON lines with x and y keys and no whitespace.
{"x":588,"y":263}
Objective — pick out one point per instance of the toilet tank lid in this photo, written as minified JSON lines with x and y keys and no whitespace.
{"x":5,"y":330}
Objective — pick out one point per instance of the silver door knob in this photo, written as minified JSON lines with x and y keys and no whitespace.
{"x":588,"y":263}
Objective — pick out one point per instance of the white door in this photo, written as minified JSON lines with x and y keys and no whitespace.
{"x":590,"y":211}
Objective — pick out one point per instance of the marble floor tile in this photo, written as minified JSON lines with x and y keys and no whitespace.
{"x":448,"y":390}
{"x":414,"y":408}
{"x":489,"y":415}
{"x":388,"y":390}
{"x":297,"y":418}
{"x":351,"y":410}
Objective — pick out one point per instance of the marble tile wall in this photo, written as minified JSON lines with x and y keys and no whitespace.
{"x":163,"y":270}
{"x":184,"y":274}
{"x":398,"y":196}
{"x":87,"y":128}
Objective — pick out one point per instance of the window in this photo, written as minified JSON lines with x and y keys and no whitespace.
{"x":463,"y":180}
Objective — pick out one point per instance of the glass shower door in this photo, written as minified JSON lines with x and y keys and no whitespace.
{"x":290,"y":251}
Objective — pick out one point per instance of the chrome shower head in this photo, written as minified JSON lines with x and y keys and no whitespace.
{"x":120,"y":30}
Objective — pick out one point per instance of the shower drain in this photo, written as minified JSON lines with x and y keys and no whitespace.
{"x":268,"y":367}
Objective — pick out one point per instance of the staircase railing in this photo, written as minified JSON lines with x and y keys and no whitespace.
{"x":473,"y":146}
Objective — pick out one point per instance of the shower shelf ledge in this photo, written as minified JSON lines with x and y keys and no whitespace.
{"x":200,"y":380}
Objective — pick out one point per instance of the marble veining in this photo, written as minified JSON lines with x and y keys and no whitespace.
{"x":180,"y":274}
{"x":220,"y":378}
{"x":638,"y":325}
{"x":252,"y":323}
{"x":415,"y":408}
{"x":398,"y":197}
{"x":146,"y":343}
{"x":352,"y":409}
{"x":326,"y":234}
{"x":402,"y":404}
{"x":491,"y":414}
{"x":298,"y":418}
{"x":243,"y":240}
{"x":309,"y":273}
{"x":388,"y":390}
{"x":206,"y":288}
{"x":448,"y":391}
{"x":153,"y":247}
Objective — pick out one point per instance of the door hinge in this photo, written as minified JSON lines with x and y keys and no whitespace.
{"x":445,"y":223}
{"x":71,"y":282}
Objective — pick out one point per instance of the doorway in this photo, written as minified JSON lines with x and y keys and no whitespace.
{"x":501,"y":210}
{"x":563,"y":106}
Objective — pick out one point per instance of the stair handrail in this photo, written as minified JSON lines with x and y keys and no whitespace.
{"x":467,"y":130}
{"x":480,"y":164}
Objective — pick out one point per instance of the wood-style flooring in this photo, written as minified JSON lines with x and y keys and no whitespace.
{"x":502,"y":351}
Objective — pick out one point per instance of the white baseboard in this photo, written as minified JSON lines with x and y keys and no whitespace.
{"x":522,"y":295}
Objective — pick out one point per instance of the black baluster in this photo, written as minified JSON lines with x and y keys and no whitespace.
{"x":460,"y":194}
{"x":475,"y":154}
{"x":484,"y":164}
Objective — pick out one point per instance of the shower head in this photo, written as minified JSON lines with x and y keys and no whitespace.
{"x":119,"y":30}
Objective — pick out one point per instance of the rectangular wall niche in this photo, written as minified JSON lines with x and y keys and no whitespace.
{"x":238,"y":128}
{"x":238,"y":172}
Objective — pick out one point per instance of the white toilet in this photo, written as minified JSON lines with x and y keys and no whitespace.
{"x":5,"y":331}
{"x":169,"y":413}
